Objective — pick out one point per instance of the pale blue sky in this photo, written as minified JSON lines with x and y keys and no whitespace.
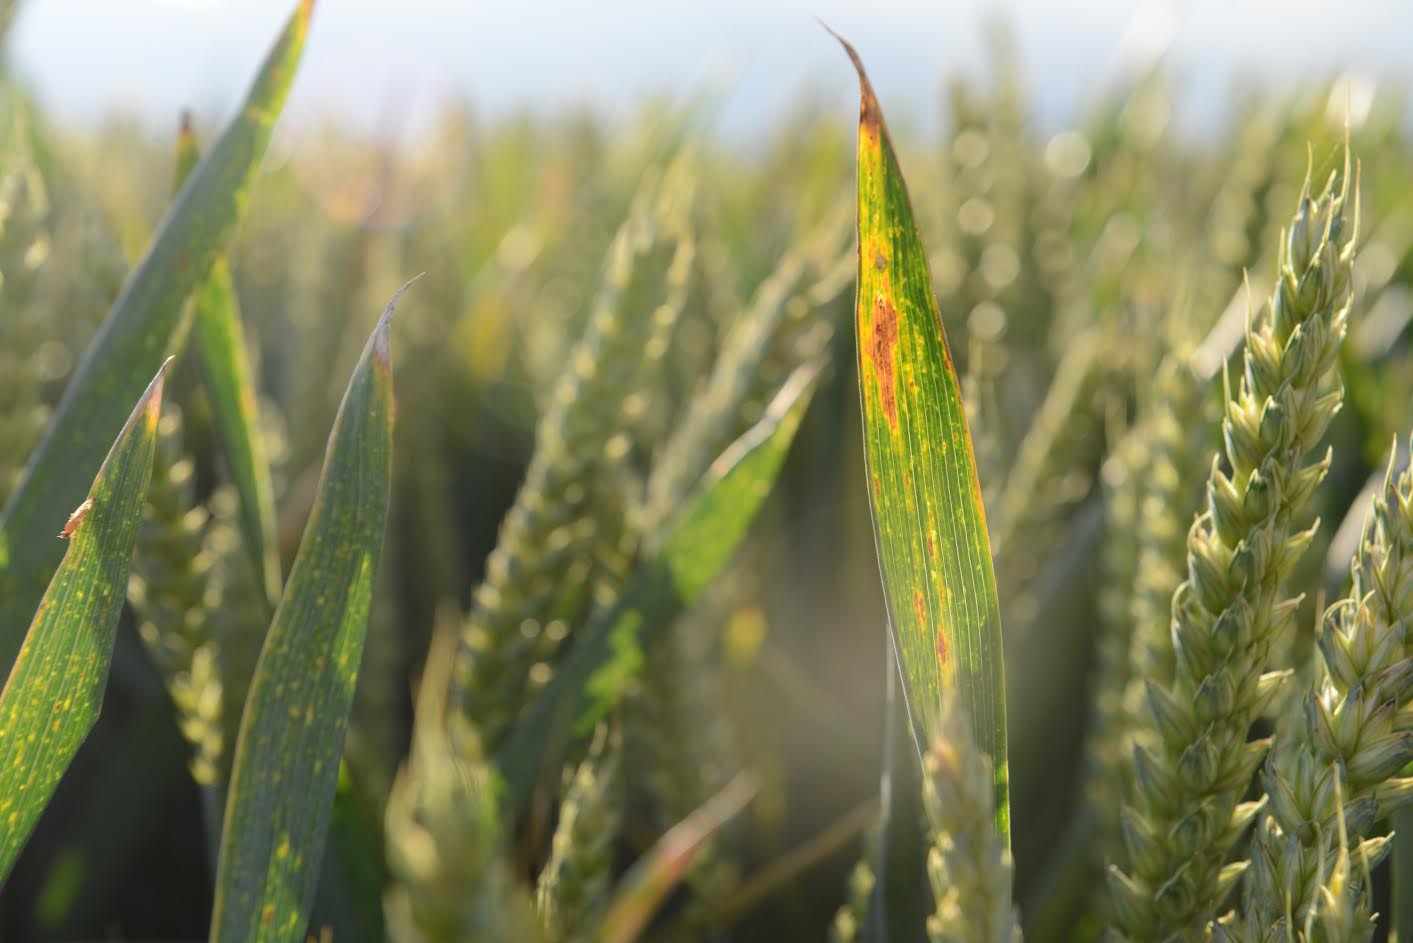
{"x":151,"y":57}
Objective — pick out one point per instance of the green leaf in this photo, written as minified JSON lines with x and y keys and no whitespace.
{"x":52,"y":697}
{"x":929,"y":524}
{"x":286,"y":764}
{"x":229,"y":380}
{"x":698,"y":543}
{"x":135,"y":338}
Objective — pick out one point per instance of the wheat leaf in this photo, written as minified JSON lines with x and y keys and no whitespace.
{"x":52,"y":697}
{"x":929,"y":523}
{"x":291,"y":734}
{"x":229,"y":380}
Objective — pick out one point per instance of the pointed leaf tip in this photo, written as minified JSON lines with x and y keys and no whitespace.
{"x":870,"y":114}
{"x":147,"y":411}
{"x":382,"y":348}
{"x":150,"y":406}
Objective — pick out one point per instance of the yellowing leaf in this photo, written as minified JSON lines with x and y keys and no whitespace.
{"x":52,"y":697}
{"x":929,"y":524}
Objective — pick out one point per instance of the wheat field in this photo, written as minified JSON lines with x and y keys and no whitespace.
{"x":484,"y":549}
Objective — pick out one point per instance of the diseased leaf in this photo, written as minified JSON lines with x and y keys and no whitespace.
{"x":286,"y":763}
{"x":136,"y":336}
{"x":52,"y":697}
{"x":226,"y":373}
{"x":697,"y":545}
{"x":929,"y":524}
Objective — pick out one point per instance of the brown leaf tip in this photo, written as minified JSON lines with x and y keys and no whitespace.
{"x":76,"y":518}
{"x":186,"y":130}
{"x":870,"y":114}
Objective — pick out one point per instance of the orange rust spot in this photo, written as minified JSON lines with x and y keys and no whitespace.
{"x":883,"y":338}
{"x":941,"y":648}
{"x":919,"y":607}
{"x":76,"y":518}
{"x":931,"y":546}
{"x":877,"y":487}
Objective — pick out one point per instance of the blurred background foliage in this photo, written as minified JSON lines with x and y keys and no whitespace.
{"x":1076,"y":270}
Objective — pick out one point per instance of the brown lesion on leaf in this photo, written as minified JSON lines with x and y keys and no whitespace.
{"x":919,"y":606}
{"x":76,"y":519}
{"x":931,"y":546}
{"x":941,"y":648}
{"x":879,"y":346}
